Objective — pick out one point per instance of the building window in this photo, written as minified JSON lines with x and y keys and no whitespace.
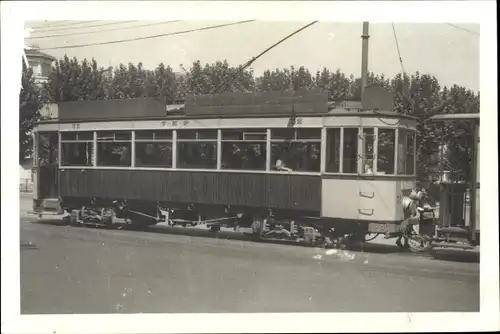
{"x":244,"y":149}
{"x":153,"y":148}
{"x":350,"y":152}
{"x":386,"y":151}
{"x":46,"y":69}
{"x":333,"y":150}
{"x":114,"y":148}
{"x":298,"y":149}
{"x":77,"y":148}
{"x":197,"y":149}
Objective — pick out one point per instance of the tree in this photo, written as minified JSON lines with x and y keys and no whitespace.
{"x":30,"y":102}
{"x":71,"y":80}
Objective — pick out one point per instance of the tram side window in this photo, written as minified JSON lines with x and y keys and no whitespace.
{"x":197,"y":149}
{"x":350,"y":158}
{"x":406,"y":159}
{"x":298,"y":149}
{"x":333,"y":150}
{"x":386,"y":151}
{"x":77,"y":148}
{"x":114,"y":149}
{"x":153,"y":148}
{"x":244,"y":149}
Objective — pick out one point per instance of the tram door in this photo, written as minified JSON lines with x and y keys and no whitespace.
{"x":366,"y":165}
{"x":47,"y":154}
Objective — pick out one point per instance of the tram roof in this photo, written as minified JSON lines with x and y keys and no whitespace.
{"x":302,"y":103}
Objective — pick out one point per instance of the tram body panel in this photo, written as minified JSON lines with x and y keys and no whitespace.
{"x":365,"y":200}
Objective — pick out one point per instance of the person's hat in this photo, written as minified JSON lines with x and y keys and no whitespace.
{"x":414,"y":195}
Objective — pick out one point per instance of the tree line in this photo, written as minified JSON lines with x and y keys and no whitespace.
{"x":418,"y":94}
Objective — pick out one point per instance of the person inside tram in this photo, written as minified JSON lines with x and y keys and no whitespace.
{"x":410,"y":205}
{"x":280,"y":166}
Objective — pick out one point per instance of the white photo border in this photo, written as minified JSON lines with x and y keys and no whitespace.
{"x":13,"y":15}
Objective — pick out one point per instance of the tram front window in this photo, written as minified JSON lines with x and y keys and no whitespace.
{"x":406,"y":158}
{"x":386,"y":151}
{"x":350,"y":158}
{"x":333,"y":150}
{"x":368,"y":153}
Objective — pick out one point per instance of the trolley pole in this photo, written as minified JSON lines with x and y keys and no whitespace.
{"x":364,"y":56}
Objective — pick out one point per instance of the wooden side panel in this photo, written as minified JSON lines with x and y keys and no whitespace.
{"x":278,"y":191}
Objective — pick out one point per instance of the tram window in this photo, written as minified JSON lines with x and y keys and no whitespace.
{"x":81,"y":136}
{"x":410,"y":159}
{"x":77,"y":148}
{"x":197,"y":155}
{"x":244,"y":149}
{"x":246,"y":134}
{"x":368,"y":150}
{"x":333,"y":150}
{"x":285,"y":134}
{"x":350,"y":158}
{"x":114,"y":149}
{"x":308,"y":133}
{"x":150,"y":154}
{"x":153,"y":148}
{"x":48,"y":148}
{"x":77,"y":153}
{"x":298,"y":156}
{"x":386,"y":151}
{"x":197,"y":134}
{"x":405,"y":152}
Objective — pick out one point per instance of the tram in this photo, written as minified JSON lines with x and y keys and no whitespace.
{"x":289,"y":165}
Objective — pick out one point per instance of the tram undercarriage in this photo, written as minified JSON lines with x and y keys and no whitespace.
{"x":300,"y":227}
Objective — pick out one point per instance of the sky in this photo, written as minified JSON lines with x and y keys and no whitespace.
{"x":450,"y":53}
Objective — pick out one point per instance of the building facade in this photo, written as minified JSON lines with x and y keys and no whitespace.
{"x":40,"y":63}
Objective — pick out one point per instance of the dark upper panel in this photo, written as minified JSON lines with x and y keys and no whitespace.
{"x":257,"y":103}
{"x":111,"y":109}
{"x":377,"y":97}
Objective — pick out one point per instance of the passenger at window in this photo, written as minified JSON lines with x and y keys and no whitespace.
{"x":281,"y":167}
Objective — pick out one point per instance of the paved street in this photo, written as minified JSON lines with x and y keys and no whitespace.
{"x":85,"y":270}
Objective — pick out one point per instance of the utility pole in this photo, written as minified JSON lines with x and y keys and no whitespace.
{"x":364,"y":57}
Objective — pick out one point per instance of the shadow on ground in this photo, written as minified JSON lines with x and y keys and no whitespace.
{"x":455,"y":256}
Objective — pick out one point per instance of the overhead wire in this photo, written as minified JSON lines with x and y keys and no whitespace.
{"x":57,"y":23}
{"x":251,"y":61}
{"x":145,"y":37}
{"x":83,"y":27}
{"x":403,"y":71}
{"x":102,"y":30}
{"x":463,"y":29}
